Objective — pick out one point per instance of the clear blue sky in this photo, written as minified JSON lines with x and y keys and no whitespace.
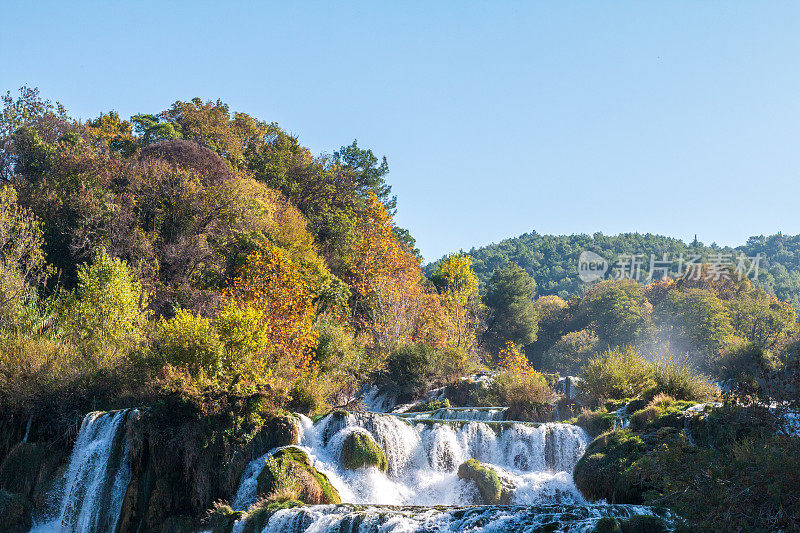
{"x":498,"y":118}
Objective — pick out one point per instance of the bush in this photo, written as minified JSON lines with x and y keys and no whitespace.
{"x":742,"y":363}
{"x":412,"y":370}
{"x":596,"y":422}
{"x":190,"y":342}
{"x":600,"y":473}
{"x":680,"y":382}
{"x":526,"y":395}
{"x":616,"y":374}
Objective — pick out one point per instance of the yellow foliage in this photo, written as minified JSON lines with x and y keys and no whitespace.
{"x":389,"y":298}
{"x":513,"y":361}
{"x":272,"y":285}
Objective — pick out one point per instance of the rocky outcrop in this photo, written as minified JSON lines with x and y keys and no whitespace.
{"x":289,"y":472}
{"x":489,"y":484}
{"x":360,"y":450}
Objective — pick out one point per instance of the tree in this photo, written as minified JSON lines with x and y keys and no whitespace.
{"x":271,"y":284}
{"x":458,"y":287}
{"x":387,"y":294}
{"x":695,"y":321}
{"x":369,"y":175}
{"x":512,"y":317}
{"x":22,"y":261}
{"x":619,"y":313}
{"x":108,"y":306}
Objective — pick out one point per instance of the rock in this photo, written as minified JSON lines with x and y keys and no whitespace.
{"x":489,"y":484}
{"x":28,"y":467}
{"x":607,"y":524}
{"x":289,"y":470}
{"x":222,"y":517}
{"x":360,"y":449}
{"x":14,"y":512}
{"x":644,"y":524}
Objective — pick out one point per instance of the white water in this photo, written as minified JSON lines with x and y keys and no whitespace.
{"x":495,"y":519}
{"x":97,"y":477}
{"x":460,"y":413}
{"x":423,"y":458}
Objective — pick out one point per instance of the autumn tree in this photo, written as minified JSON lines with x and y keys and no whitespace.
{"x":388,"y":297}
{"x":458,"y":287}
{"x":22,"y":261}
{"x":271,"y":284}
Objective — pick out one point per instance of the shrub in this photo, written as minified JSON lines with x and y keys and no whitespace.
{"x":411,"y":370}
{"x":742,"y":363}
{"x":526,"y":395}
{"x":679,"y":381}
{"x":596,"y":422}
{"x":616,"y":374}
{"x":599,"y":474}
{"x":190,"y":342}
{"x":108,"y":305}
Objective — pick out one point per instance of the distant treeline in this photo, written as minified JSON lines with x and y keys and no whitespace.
{"x":552,"y":260}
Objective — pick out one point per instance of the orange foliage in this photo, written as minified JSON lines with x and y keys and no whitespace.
{"x":513,"y":361}
{"x":386,"y":279}
{"x":273,"y":284}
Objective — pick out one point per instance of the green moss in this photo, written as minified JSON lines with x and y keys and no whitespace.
{"x":289,"y":470}
{"x":644,"y":524}
{"x":486,"y":480}
{"x":600,"y":472}
{"x":596,"y":422}
{"x":607,"y":524}
{"x":432,"y":405}
{"x":360,"y":449}
{"x":654,"y":417}
{"x":259,"y":514}
{"x":222,"y":517}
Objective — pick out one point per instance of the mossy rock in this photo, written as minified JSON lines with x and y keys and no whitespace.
{"x":15,"y":515}
{"x":607,"y":524}
{"x":257,"y":517}
{"x":600,"y":473}
{"x":596,"y":422}
{"x":431,"y":405}
{"x":644,"y":524}
{"x":222,"y":517}
{"x":489,"y":485}
{"x":360,"y":449}
{"x":289,"y":470}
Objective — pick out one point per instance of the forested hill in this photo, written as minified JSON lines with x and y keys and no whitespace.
{"x":552,"y":259}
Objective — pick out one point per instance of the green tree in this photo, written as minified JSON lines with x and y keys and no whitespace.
{"x":22,"y":262}
{"x":619,"y":313}
{"x":511,"y":316}
{"x":108,"y":306}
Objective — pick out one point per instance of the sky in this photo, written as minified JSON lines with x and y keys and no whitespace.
{"x":498,"y":118}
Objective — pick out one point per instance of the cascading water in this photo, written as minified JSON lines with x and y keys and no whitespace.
{"x":423,"y":452}
{"x":97,"y":477}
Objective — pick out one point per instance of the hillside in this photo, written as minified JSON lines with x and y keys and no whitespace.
{"x":552,"y":259}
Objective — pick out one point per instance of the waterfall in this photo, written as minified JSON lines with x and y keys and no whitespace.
{"x":373,"y":518}
{"x":97,"y":477}
{"x":423,"y":457}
